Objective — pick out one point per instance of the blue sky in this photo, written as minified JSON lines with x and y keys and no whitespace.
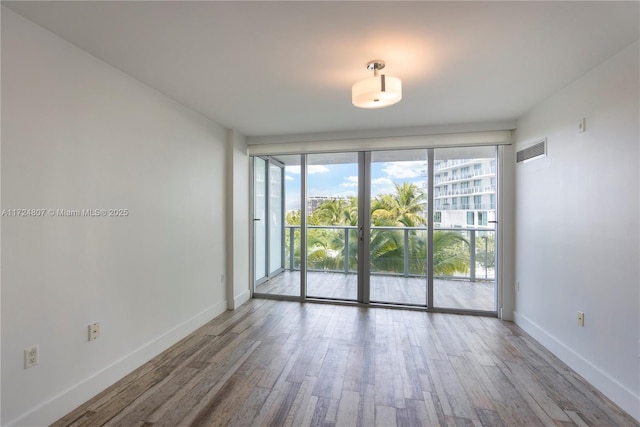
{"x":342,"y":179}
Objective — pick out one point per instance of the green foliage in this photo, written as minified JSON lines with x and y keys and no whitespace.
{"x":335,"y":212}
{"x":487,"y":259}
{"x":405,"y":208}
{"x":293,"y":217}
{"x":450,"y":253}
{"x":450,"y":249}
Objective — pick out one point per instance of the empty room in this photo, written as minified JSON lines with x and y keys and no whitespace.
{"x":367,"y":213}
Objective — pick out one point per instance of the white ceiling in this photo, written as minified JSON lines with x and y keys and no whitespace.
{"x":277,"y":68}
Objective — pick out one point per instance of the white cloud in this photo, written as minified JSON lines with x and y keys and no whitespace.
{"x":383,"y":185}
{"x":351,"y":181}
{"x":288,"y":178}
{"x":382,"y":181}
{"x":295,"y":169}
{"x":411,"y":169}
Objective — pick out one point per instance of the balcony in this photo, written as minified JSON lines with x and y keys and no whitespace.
{"x":449,"y":294}
{"x":475,"y":174}
{"x":465,"y":191}
{"x":454,"y":163}
{"x":464,"y":275}
{"x":469,"y":207}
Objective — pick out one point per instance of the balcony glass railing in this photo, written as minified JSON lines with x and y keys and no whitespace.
{"x":470,"y":207}
{"x":460,"y":253}
{"x":462,"y":191}
{"x":464,"y":176}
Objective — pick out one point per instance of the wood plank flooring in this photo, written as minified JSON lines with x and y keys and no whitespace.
{"x":279,"y":363}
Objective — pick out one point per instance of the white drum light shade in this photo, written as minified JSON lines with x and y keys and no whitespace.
{"x":377,"y":91}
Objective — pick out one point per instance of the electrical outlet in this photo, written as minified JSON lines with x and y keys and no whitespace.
{"x":94,"y":331}
{"x":581,"y":318}
{"x":31,"y":356}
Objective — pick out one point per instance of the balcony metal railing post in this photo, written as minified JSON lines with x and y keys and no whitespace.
{"x":486,"y":252}
{"x":472,"y":254}
{"x":291,"y":249}
{"x":346,"y":250}
{"x":406,"y":252}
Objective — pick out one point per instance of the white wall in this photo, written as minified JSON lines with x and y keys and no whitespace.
{"x":77,"y":133}
{"x":238,"y":266}
{"x":577,"y":233}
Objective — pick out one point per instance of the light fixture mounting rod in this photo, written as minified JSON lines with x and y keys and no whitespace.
{"x":375,"y":65}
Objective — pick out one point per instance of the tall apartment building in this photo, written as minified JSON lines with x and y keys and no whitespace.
{"x":464,"y":193}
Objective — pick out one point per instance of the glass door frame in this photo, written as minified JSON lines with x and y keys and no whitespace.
{"x":268,"y":272}
{"x":364,"y":226}
{"x":426,"y":303}
{"x":364,"y":234}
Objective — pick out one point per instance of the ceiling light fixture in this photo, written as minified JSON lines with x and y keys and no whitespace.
{"x":377,"y":91}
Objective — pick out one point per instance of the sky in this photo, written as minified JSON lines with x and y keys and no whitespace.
{"x":342,"y":179}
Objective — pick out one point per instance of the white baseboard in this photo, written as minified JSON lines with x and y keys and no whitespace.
{"x":618,"y":393}
{"x":73,"y":397}
{"x":238,"y":300}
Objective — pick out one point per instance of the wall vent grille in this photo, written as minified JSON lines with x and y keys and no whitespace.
{"x":537,"y":150}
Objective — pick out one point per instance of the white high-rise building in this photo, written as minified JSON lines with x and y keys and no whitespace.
{"x":464,"y":193}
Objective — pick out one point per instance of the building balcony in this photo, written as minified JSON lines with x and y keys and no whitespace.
{"x":397,"y":273}
{"x":488,"y":172}
{"x":465,"y":191}
{"x":469,"y":207}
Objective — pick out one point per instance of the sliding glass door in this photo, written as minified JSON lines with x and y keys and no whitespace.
{"x":464,"y":237}
{"x":403,"y":227}
{"x":398,"y":231}
{"x":268,"y":219}
{"x":260,"y":252}
{"x":332,"y":226}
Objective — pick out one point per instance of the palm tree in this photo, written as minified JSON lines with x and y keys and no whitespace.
{"x":405,"y":208}
{"x":350,"y":212}
{"x":326,"y":248}
{"x":330,"y":212}
{"x":402,"y":209}
{"x":450,"y":253}
{"x":386,"y":250}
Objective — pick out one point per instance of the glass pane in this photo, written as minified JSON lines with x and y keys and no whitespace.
{"x":398,"y":248}
{"x":464,"y":236}
{"x":275,"y":218}
{"x":332,"y":219}
{"x":284,"y":281}
{"x":259,"y":217}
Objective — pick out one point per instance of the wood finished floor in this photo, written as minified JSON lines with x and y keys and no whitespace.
{"x":278,"y":363}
